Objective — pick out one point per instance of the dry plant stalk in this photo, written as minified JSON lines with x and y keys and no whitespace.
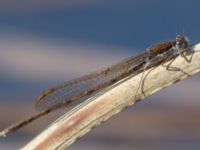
{"x":91,"y":113}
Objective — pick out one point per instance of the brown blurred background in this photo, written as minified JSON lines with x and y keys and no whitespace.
{"x":44,"y":43}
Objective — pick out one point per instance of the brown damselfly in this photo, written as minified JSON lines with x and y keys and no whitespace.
{"x":84,"y":87}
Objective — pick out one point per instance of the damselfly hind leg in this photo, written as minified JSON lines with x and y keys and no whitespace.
{"x":150,"y":62}
{"x":141,"y":80}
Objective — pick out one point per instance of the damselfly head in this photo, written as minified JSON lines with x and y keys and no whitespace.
{"x":182,"y":42}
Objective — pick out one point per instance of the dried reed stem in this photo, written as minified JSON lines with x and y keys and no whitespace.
{"x":80,"y":120}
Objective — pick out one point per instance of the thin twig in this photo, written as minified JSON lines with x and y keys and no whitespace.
{"x":80,"y":120}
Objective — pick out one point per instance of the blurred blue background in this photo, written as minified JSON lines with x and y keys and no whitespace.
{"x":44,"y":43}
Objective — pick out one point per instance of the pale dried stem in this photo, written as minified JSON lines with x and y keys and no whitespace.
{"x":77,"y":122}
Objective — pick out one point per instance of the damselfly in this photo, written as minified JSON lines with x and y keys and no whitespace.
{"x":82,"y":88}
